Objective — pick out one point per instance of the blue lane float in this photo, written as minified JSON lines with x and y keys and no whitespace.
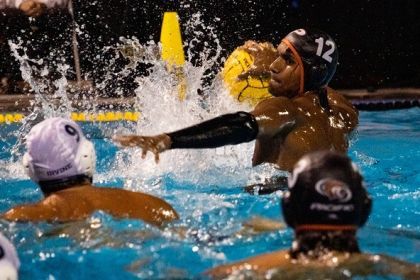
{"x":384,"y":99}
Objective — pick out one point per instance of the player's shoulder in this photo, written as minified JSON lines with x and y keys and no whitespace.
{"x":337,"y":97}
{"x":338,"y":100}
{"x":275,"y":103}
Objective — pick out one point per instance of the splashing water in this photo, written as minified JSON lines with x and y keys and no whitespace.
{"x":50,"y":96}
{"x":161,"y":109}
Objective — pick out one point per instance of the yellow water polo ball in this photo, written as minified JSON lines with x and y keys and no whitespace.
{"x":253,"y":89}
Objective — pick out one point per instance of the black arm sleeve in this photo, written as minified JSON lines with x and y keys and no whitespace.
{"x":227,"y":129}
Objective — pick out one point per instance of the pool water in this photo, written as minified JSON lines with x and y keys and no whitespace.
{"x":205,"y":187}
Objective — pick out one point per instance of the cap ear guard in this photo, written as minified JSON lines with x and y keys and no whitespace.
{"x":289,"y":211}
{"x":319,"y":73}
{"x":28,"y":167}
{"x":85,"y":158}
{"x":288,"y":205}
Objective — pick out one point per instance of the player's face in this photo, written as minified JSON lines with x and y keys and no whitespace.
{"x":285,"y":73}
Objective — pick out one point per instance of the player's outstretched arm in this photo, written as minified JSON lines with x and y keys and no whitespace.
{"x":229,"y":129}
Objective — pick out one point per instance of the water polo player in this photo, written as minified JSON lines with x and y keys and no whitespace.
{"x":62,"y":162}
{"x":303,"y":115}
{"x":325,"y":205}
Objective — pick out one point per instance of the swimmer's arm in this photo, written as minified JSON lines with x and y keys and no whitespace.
{"x":137,"y":205}
{"x":34,"y":212}
{"x":229,"y":129}
{"x":46,"y":210}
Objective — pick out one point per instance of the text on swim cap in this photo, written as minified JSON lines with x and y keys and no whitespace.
{"x":59,"y":171}
{"x":332,"y":207}
{"x":329,"y":52}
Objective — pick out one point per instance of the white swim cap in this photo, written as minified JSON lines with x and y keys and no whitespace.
{"x":9,"y":262}
{"x":57,"y":149}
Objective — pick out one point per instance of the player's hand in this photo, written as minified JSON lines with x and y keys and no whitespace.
{"x":155,"y":144}
{"x":264,"y":54}
{"x":32,"y":8}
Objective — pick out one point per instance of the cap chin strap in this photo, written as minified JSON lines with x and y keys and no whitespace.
{"x":323,"y":98}
{"x":316,"y":227}
{"x":299,"y":61}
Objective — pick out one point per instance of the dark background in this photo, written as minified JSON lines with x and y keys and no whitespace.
{"x":378,"y":41}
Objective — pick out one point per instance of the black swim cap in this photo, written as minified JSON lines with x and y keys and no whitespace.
{"x":326,"y":192}
{"x":318,"y":54}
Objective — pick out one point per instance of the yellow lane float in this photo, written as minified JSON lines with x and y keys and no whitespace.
{"x":9,"y":118}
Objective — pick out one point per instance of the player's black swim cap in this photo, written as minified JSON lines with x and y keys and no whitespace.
{"x":326,"y":192}
{"x":317,"y":52}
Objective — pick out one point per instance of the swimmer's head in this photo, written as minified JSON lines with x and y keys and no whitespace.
{"x":326,"y":192}
{"x":9,"y":262}
{"x":58,"y":154}
{"x":317,"y":53}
